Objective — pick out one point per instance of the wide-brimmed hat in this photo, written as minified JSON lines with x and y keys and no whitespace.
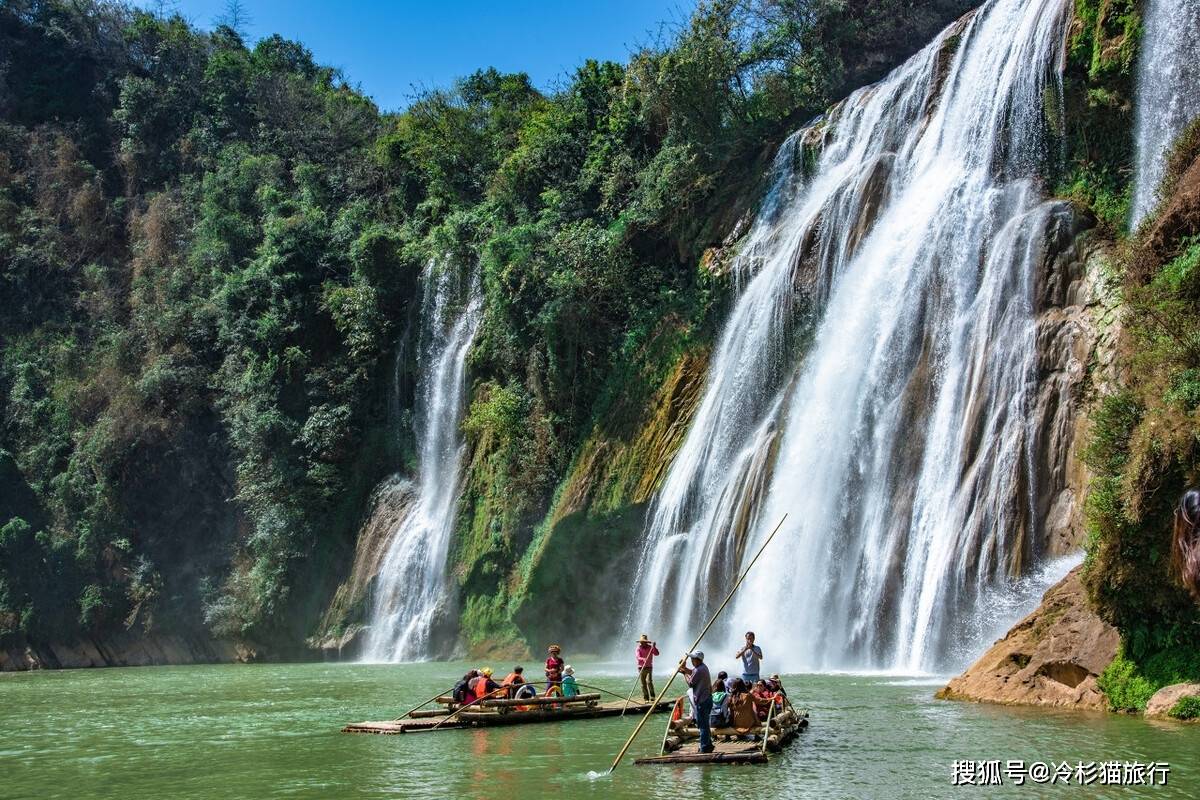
{"x":698,"y":655}
{"x":568,"y":670}
{"x":644,"y":639}
{"x":553,"y":647}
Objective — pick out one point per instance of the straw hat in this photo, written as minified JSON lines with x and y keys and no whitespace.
{"x":553,"y":648}
{"x":644,"y":639}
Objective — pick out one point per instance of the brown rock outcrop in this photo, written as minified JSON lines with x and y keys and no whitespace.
{"x":1164,"y":699}
{"x":1050,"y":658}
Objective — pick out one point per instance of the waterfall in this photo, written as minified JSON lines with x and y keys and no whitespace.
{"x":1168,"y":91}
{"x":876,"y":374}
{"x":411,"y":593}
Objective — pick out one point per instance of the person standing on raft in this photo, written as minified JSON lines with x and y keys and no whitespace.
{"x":700,"y":681}
{"x":751,"y":656}
{"x":646,"y":651}
{"x":554,"y":668}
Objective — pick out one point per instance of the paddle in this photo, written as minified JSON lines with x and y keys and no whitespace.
{"x":695,"y":644}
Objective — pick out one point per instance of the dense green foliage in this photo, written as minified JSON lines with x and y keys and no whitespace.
{"x":208,"y":251}
{"x":1143,"y":451}
{"x":1186,"y":708}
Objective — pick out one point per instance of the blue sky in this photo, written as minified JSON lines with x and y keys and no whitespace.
{"x":393,"y":49}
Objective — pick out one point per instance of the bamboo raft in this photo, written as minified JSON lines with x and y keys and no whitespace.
{"x":499,"y":712}
{"x":681,"y":742}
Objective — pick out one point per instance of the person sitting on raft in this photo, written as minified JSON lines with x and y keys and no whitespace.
{"x":742,"y":713}
{"x":763,"y":698}
{"x":462,"y":690}
{"x":719,"y":718}
{"x":569,"y":687}
{"x":483,"y":685}
{"x":513,"y":681}
{"x":554,"y":667}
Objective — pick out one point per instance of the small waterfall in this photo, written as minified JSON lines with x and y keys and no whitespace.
{"x":1168,"y":91}
{"x":411,"y":595}
{"x":875,"y":377}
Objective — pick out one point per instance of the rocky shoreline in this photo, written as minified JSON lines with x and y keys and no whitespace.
{"x":121,"y":650}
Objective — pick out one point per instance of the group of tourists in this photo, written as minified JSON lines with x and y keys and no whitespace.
{"x":478,"y":684}
{"x":741,"y":703}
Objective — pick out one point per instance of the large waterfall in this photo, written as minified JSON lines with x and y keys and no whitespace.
{"x":410,"y":595}
{"x":875,"y":377}
{"x":1168,"y":91}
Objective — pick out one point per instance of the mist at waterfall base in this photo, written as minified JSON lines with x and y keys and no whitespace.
{"x":410,"y":602}
{"x":1168,"y":92}
{"x":875,"y":377}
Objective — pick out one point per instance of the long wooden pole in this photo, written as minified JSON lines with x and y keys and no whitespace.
{"x":638,"y":679}
{"x":427,"y":702}
{"x":464,"y":707}
{"x":695,"y":644}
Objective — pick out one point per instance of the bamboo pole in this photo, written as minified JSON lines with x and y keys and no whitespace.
{"x":767,"y":726}
{"x":427,"y":702}
{"x":463,"y":708}
{"x":662,"y":750}
{"x":637,"y":681}
{"x":599,"y":689}
{"x":695,"y":644}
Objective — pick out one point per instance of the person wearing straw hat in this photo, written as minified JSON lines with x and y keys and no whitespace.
{"x":699,"y":680}
{"x":646,"y":651}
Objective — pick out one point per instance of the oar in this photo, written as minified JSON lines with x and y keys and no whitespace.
{"x":468,"y":705}
{"x":427,"y":702}
{"x":695,"y":644}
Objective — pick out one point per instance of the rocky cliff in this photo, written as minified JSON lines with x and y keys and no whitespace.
{"x":1052,"y":657}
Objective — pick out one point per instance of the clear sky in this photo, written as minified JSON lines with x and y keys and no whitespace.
{"x":393,"y":49}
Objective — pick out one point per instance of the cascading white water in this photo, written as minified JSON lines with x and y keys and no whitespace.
{"x":411,"y":589}
{"x":1168,"y":91}
{"x":875,"y":377}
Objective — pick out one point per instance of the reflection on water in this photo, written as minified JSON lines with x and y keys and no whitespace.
{"x":272,"y":731}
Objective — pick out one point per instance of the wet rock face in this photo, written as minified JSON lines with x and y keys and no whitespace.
{"x":121,"y":650}
{"x":340,"y":633}
{"x":1076,"y":343}
{"x":1050,"y":658}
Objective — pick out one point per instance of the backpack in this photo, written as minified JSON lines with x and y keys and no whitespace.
{"x":719,"y":718}
{"x":459,"y":693}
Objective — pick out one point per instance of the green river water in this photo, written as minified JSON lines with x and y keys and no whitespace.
{"x":264,"y":731}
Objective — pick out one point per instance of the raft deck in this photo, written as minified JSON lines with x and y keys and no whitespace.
{"x":681,"y":742}
{"x":496,"y":715}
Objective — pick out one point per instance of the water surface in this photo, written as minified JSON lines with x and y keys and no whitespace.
{"x":265,"y":731}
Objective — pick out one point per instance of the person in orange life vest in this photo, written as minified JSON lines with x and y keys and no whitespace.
{"x":646,"y":651}
{"x":484,"y":685}
{"x":554,"y":667}
{"x":513,"y":680}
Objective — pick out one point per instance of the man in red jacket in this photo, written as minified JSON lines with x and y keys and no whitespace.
{"x":646,"y":651}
